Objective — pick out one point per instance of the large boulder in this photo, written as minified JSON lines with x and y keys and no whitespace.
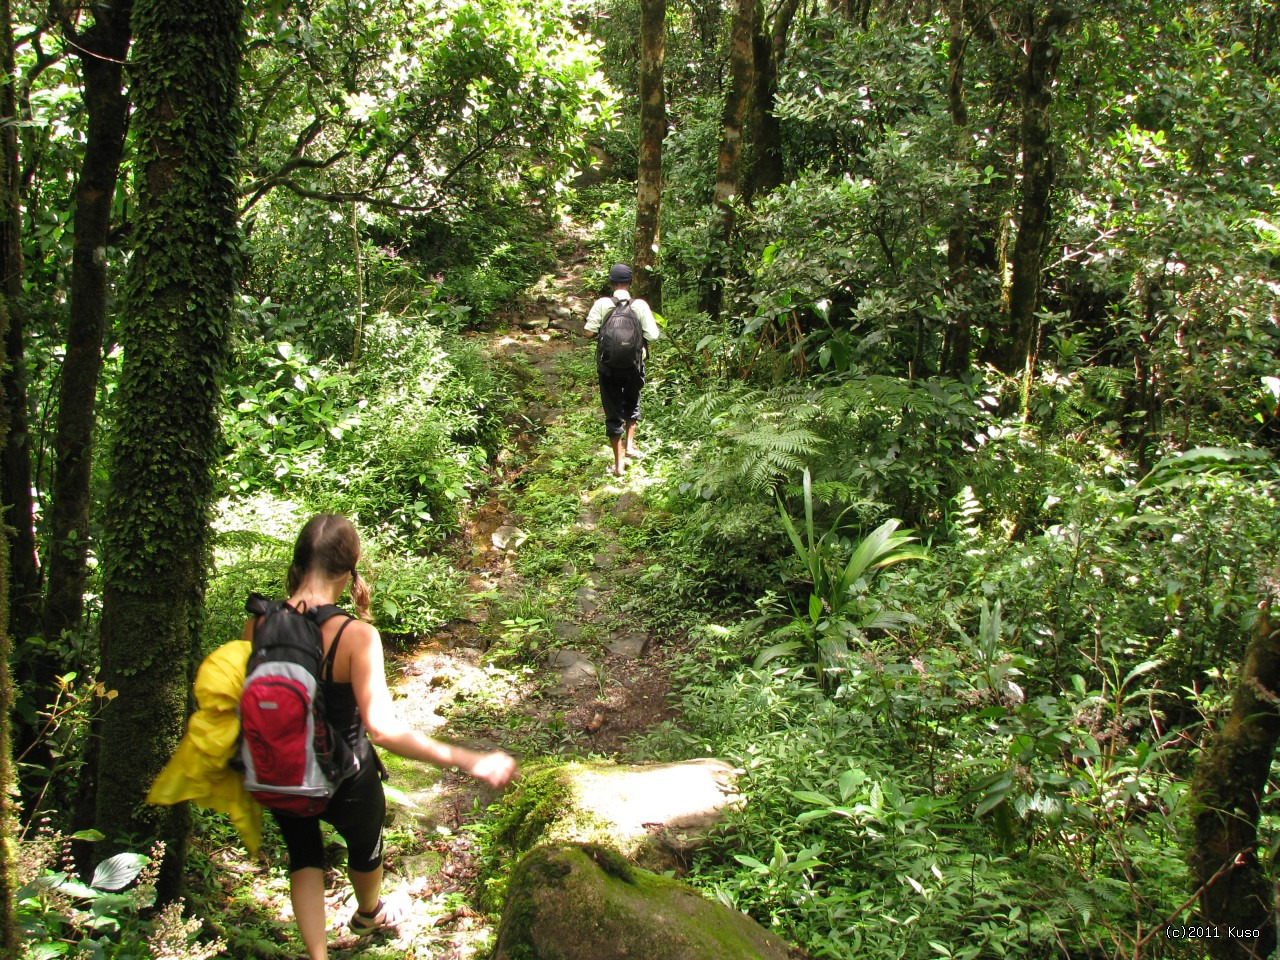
{"x":654,"y":814}
{"x":585,"y":902}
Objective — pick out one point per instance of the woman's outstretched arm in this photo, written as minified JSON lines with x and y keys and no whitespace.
{"x":389,"y":732}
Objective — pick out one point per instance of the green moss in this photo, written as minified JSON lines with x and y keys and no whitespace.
{"x":543,"y":799}
{"x":576,"y":901}
{"x":519,"y":821}
{"x":611,"y":862}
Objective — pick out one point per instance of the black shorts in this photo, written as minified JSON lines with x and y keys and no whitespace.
{"x":620,"y":397}
{"x":357,"y":812}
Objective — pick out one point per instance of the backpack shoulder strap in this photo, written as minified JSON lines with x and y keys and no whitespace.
{"x":257,"y":605}
{"x":322,"y":613}
{"x":326,"y":668}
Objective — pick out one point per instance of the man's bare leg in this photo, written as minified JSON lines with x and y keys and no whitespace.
{"x":631,"y":449}
{"x":619,"y":454}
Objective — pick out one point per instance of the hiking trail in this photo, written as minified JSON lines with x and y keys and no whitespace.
{"x":597,"y":678}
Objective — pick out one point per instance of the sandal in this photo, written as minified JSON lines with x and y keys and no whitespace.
{"x":386,"y":916}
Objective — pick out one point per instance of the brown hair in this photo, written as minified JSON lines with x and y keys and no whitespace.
{"x":330,"y":545}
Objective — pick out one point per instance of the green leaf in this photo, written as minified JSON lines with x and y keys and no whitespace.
{"x":120,"y":871}
{"x":399,"y":797}
{"x":812,"y":796}
{"x":46,"y":951}
{"x":774,"y":652}
{"x":995,"y":795}
{"x":74,"y":888}
{"x":1145,"y":667}
{"x":850,"y":781}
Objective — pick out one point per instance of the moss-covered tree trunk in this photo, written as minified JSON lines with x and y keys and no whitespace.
{"x":102,"y":49}
{"x":653,"y":129}
{"x":1229,"y":779}
{"x":8,"y":210}
{"x":166,"y":439}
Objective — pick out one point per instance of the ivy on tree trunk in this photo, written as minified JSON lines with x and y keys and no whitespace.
{"x":15,"y":470}
{"x":958,"y":339}
{"x":166,"y":441}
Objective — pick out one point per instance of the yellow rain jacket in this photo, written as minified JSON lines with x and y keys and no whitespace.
{"x":198,"y":770}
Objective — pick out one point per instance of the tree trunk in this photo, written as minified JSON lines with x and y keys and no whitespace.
{"x":653,"y":129}
{"x":737,"y":100}
{"x":1225,"y":791}
{"x":15,"y":475}
{"x":958,"y":340}
{"x":9,"y":945}
{"x":1044,"y":52}
{"x":103,"y":49}
{"x":166,"y":441}
{"x":768,"y":170}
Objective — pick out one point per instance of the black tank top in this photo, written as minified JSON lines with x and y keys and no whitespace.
{"x":342,"y":710}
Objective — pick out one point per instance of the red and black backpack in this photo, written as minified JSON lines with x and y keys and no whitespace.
{"x":293,"y":758}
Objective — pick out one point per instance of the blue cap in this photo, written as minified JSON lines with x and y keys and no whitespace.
{"x":619,"y":274}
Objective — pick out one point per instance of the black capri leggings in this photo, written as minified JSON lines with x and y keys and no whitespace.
{"x":357,"y":812}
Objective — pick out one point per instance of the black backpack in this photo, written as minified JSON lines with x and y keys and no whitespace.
{"x":620,"y":342}
{"x":293,"y":758}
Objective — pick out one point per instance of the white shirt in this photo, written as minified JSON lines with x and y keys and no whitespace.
{"x":600,"y":309}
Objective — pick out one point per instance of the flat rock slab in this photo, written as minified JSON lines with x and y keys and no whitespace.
{"x":628,"y":504}
{"x":586,"y":599}
{"x":636,"y":798}
{"x":630,"y":645}
{"x":508,"y":537}
{"x":566,"y":631}
{"x":655,"y":814}
{"x":574,"y":671}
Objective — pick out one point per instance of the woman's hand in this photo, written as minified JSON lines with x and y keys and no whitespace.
{"x":496,"y":769}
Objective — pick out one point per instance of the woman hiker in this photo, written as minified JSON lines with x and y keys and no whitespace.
{"x":357,"y":702}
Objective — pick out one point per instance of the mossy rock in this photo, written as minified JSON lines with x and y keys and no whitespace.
{"x":585,"y":902}
{"x":654,"y":813}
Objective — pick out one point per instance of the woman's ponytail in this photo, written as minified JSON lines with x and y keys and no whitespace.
{"x":359,"y":594}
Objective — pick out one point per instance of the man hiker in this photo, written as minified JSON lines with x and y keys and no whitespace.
{"x":621,"y":326}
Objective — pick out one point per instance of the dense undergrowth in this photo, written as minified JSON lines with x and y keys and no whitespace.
{"x":982,"y":751}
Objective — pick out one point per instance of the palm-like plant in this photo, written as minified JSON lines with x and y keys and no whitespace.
{"x":839,"y":612}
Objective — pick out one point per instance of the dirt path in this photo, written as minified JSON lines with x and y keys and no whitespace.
{"x":596,"y":678}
